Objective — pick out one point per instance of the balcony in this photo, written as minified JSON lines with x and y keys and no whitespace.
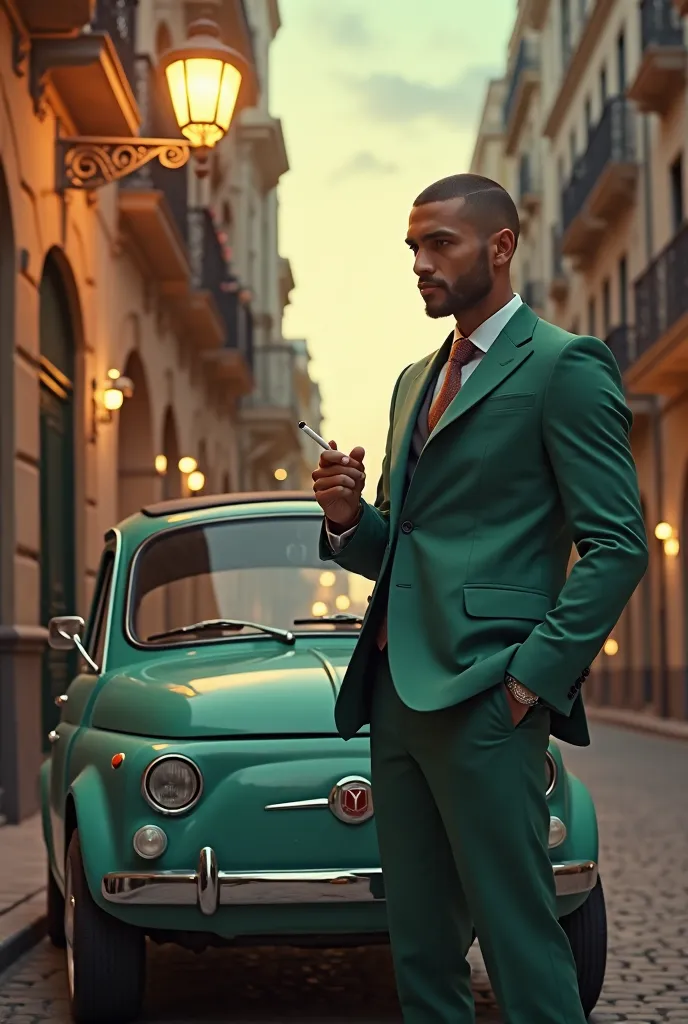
{"x":535,"y":13}
{"x":661,"y":305}
{"x":523,"y":81}
{"x":621,"y":341}
{"x":153,"y":202}
{"x":559,"y":282}
{"x":271,"y":414}
{"x":92,"y":72}
{"x":603,"y":182}
{"x":662,"y":73}
{"x":50,"y":17}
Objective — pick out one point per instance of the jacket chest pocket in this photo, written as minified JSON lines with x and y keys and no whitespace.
{"x":500,"y":405}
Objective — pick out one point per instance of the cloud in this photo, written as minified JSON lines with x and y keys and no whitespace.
{"x":363,"y":163}
{"x":344,"y":28}
{"x":395,"y":98}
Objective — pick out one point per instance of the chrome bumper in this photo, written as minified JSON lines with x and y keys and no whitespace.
{"x":209,"y":888}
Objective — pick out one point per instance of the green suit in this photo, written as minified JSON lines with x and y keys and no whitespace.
{"x":470,"y":553}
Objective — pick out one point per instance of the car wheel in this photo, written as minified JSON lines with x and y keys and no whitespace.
{"x":55,"y":912}
{"x":586,"y":929}
{"x":106,"y":958}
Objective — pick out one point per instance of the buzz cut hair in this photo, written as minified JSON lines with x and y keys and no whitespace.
{"x":488,"y":206}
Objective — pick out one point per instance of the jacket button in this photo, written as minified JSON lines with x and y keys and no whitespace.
{"x":407,"y":527}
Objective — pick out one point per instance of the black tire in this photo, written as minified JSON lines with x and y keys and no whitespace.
{"x":55,"y":912}
{"x":586,"y":929}
{"x":108,"y":957}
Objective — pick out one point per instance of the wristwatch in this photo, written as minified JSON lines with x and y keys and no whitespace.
{"x":519,"y":692}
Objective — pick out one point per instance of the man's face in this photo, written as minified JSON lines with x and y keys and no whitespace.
{"x":452,"y":262}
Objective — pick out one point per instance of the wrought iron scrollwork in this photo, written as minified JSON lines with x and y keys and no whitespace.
{"x":89,"y":163}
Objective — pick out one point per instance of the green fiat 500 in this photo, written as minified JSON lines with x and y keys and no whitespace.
{"x":197,"y":791}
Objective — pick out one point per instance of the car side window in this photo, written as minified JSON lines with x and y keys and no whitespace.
{"x":97,"y":626}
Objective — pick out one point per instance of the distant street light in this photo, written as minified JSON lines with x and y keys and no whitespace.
{"x":187,"y":464}
{"x":196,"y":480}
{"x":663,"y":531}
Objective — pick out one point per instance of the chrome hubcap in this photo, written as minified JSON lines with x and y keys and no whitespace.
{"x":70,"y":904}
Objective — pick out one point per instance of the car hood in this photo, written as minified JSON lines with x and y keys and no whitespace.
{"x":195,"y":694}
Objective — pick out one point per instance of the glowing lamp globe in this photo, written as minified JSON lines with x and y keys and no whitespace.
{"x":204,"y":77}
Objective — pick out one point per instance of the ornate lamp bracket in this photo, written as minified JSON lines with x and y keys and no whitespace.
{"x":89,"y":162}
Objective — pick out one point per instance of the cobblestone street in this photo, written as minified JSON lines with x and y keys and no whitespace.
{"x":639,"y":785}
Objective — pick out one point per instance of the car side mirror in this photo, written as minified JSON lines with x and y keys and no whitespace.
{"x":64,"y":634}
{"x":62,"y":631}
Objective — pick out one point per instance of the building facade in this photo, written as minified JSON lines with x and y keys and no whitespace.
{"x":169,"y":281}
{"x":594,"y":130}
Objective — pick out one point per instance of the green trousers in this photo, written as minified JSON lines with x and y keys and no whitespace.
{"x":463,"y":825}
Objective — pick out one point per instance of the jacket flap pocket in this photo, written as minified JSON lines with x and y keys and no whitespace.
{"x":485,"y":602}
{"x":509,"y":403}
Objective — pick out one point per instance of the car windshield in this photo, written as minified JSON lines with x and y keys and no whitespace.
{"x":260,"y":571}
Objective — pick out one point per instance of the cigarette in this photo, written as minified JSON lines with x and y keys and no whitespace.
{"x":316,"y":437}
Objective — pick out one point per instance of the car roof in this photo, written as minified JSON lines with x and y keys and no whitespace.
{"x":175,"y":506}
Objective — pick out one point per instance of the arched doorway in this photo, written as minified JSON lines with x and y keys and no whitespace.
{"x":137,"y":479}
{"x":59,"y":326}
{"x":172,"y":480}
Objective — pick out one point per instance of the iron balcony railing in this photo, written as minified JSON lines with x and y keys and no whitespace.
{"x":660,"y":24}
{"x":612,"y":141}
{"x":621,"y":341}
{"x":527,"y":59}
{"x":211,"y":272}
{"x":274,"y":372}
{"x":159,"y":122}
{"x":118,"y":17}
{"x":534,"y":294}
{"x":661,"y":293}
{"x":557,"y":256}
{"x":528,"y":179}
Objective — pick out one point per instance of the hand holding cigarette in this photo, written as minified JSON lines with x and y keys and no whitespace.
{"x":338,"y":482}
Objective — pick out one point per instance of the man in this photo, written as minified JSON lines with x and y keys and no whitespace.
{"x":506,"y":447}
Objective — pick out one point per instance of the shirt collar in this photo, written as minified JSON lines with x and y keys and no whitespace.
{"x":488,"y":331}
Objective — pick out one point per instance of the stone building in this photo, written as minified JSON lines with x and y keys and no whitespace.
{"x":169,"y":283}
{"x":593,"y":138}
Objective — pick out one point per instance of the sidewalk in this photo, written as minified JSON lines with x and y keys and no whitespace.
{"x":671,"y":728}
{"x":23,"y":868}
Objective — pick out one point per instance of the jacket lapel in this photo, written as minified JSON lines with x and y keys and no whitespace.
{"x":407,"y":417}
{"x":505,"y":355}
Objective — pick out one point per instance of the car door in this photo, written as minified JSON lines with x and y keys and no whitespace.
{"x":74,"y":701}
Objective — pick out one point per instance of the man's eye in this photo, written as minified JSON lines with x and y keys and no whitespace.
{"x":441,"y":242}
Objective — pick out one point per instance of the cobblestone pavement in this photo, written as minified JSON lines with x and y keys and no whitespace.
{"x":639,"y":783}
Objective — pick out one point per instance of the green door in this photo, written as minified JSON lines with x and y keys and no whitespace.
{"x":58,"y":591}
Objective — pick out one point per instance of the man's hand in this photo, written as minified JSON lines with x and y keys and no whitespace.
{"x":518,"y":710}
{"x":338,"y":483}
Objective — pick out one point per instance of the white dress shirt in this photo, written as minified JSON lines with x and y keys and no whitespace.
{"x":483,"y":337}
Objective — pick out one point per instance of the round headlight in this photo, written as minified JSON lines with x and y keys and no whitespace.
{"x":550,"y":773}
{"x":172,"y":784}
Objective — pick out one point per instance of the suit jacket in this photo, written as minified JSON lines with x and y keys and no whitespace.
{"x":470,"y":546}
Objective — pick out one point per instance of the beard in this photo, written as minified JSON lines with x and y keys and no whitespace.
{"x":465,"y":291}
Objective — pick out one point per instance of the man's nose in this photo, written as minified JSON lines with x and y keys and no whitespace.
{"x":423,"y":266}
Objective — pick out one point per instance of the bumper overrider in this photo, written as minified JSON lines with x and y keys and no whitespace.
{"x":208,"y":888}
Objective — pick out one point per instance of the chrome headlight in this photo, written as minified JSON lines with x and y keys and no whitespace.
{"x":550,"y":773}
{"x":172,"y":784}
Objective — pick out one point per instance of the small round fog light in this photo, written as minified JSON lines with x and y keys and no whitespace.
{"x":150,"y":842}
{"x":557,"y":832}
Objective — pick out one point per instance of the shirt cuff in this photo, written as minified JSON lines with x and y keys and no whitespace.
{"x":338,"y":540}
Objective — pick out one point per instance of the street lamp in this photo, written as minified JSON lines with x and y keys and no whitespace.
{"x":204,"y":77}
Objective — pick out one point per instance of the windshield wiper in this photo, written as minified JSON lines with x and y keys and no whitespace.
{"x":234,"y":624}
{"x":341,"y":620}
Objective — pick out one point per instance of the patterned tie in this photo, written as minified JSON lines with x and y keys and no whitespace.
{"x":462,"y":351}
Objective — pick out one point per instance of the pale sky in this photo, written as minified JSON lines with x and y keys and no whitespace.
{"x":377,"y":99}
